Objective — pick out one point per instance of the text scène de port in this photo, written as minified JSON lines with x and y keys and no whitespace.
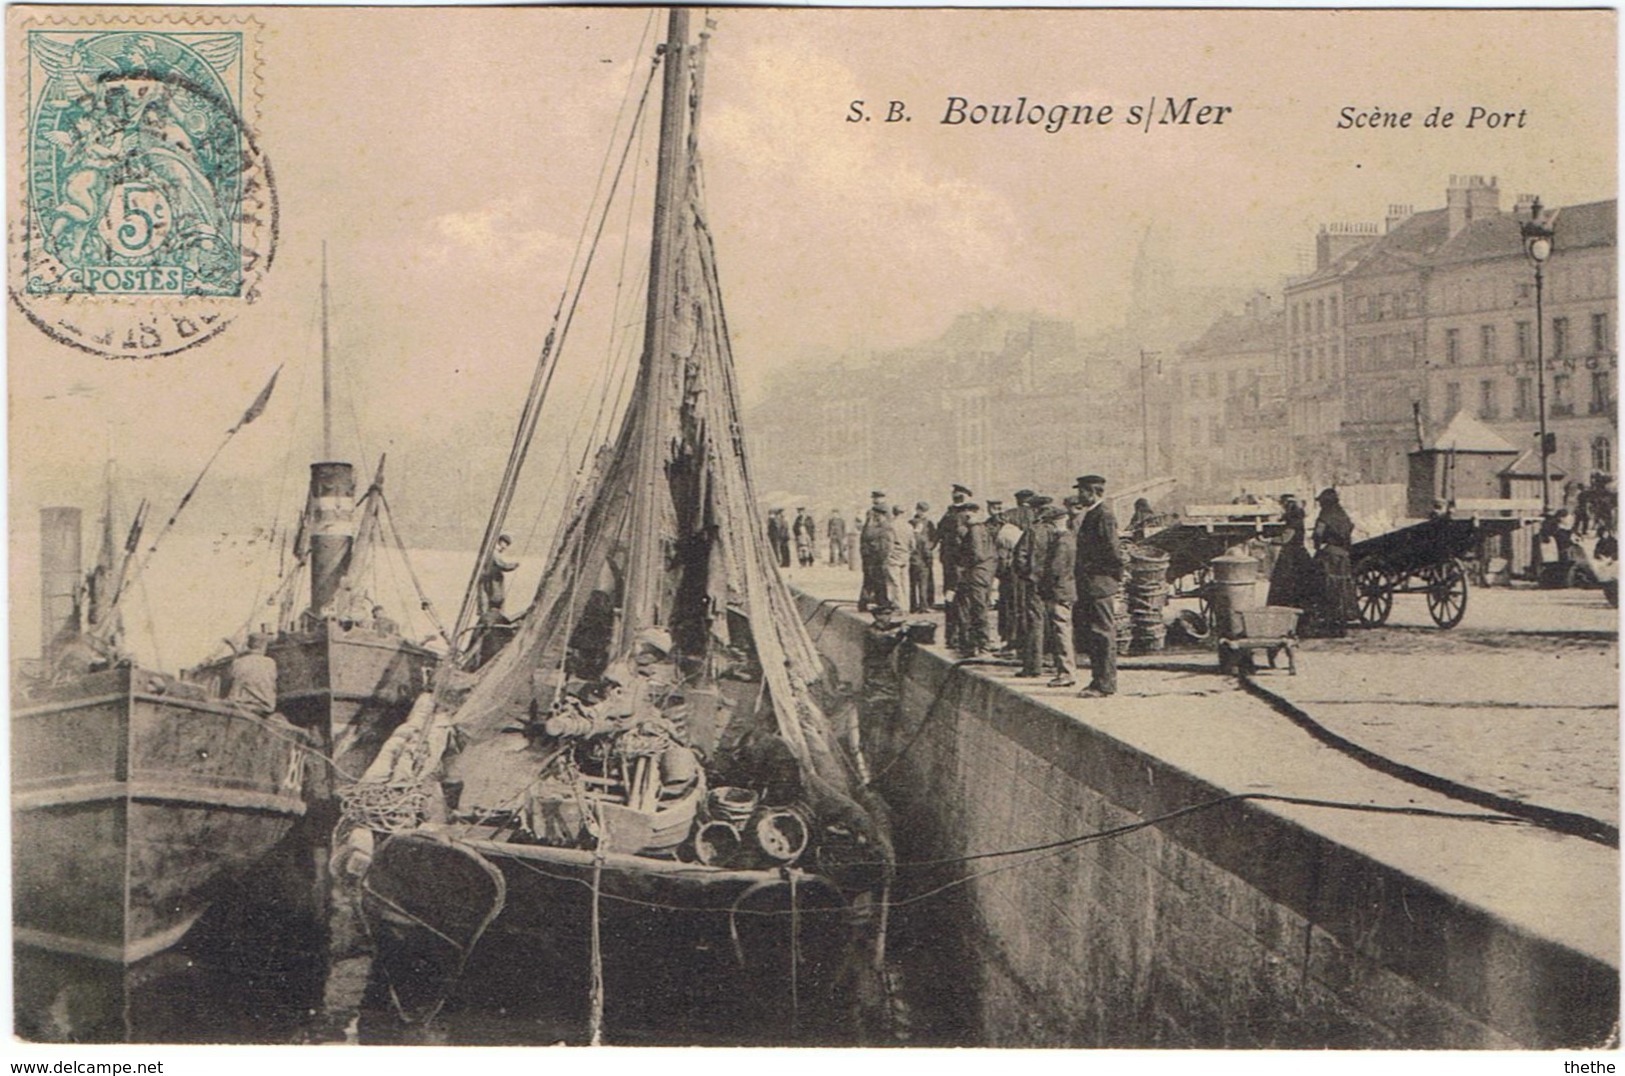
{"x":960,"y":111}
{"x":1476,"y":118}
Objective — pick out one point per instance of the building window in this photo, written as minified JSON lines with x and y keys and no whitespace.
{"x":1488,"y":405}
{"x":1196,"y":385}
{"x":1320,"y":315}
{"x":1331,"y":367}
{"x":1452,"y":346}
{"x":1560,"y":337}
{"x":1294,"y":318}
{"x":1452,"y":399}
{"x":1599,"y":332}
{"x":1213,"y":383}
{"x":1602,"y":455}
{"x":1525,"y":398}
{"x":1602,"y":385}
{"x":1562,"y":395}
{"x":1486,"y":343}
{"x":1333,"y":304}
{"x":1523,"y":340}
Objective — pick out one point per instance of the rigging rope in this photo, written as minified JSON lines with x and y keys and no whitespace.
{"x":540,"y":383}
{"x":423,"y":598}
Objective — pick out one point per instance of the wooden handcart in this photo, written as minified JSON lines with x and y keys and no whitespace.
{"x":1430,"y":558}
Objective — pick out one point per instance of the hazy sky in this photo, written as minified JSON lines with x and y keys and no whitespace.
{"x":447,"y":156}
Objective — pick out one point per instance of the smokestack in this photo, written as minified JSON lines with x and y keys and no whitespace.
{"x":332,"y":529}
{"x":60,"y":574}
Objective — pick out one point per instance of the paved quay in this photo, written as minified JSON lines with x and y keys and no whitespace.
{"x":1521,"y":701}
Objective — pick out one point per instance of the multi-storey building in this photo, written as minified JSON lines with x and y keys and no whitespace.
{"x":1316,"y":344}
{"x":1483,"y":355}
{"x":1236,"y":353}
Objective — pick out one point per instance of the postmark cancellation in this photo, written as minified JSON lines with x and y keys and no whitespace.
{"x":148,"y":212}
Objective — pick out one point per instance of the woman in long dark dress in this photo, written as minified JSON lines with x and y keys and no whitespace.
{"x":1291,"y":581}
{"x":1334,"y":533}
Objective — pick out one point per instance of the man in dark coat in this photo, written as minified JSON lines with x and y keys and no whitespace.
{"x":1000,"y":603}
{"x":835,"y":534}
{"x":874,"y":547}
{"x":1100,"y":567}
{"x":950,"y":532}
{"x":1031,"y":554}
{"x":922,"y":597}
{"x":778,"y":536}
{"x":1020,"y":517}
{"x":978,"y":560}
{"x":806,"y":535}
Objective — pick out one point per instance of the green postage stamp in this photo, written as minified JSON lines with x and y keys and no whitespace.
{"x":146,"y":195}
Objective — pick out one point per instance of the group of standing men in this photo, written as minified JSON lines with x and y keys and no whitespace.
{"x":1046,"y":559}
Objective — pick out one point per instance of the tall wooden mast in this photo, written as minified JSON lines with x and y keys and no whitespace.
{"x":327,"y":370}
{"x":644,"y":569}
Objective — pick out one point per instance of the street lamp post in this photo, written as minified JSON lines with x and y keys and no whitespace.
{"x":1537,"y":244}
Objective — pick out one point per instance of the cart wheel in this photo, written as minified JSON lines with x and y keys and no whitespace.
{"x":1447,"y":592}
{"x":1374,"y":591}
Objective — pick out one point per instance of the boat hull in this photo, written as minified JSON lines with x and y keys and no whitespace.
{"x":133,"y":808}
{"x":689,"y":954}
{"x":350,"y":687}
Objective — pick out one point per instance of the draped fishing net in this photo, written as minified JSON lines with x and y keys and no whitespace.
{"x":666,"y":532}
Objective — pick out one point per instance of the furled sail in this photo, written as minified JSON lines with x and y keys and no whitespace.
{"x":667,"y":533}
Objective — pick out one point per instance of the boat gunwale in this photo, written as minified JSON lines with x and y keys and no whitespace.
{"x":626,"y":861}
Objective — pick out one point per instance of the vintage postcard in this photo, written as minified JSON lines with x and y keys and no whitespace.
{"x":784,"y":527}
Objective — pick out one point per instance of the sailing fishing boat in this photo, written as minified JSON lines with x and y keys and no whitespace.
{"x":137,"y":798}
{"x":640,"y":804}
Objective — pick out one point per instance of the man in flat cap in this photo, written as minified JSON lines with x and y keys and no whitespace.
{"x":835,"y":535}
{"x":902,"y":547}
{"x":778,"y":536}
{"x":806,"y":535}
{"x":1020,"y":518}
{"x":874,"y":545}
{"x":1100,"y":567}
{"x":949,"y":539}
{"x":977,"y":561}
{"x":1003,"y":546}
{"x":1032,"y":551}
{"x":1057,"y":585}
{"x":922,"y":596}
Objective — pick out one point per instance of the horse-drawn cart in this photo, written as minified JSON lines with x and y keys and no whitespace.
{"x":1429,"y":558}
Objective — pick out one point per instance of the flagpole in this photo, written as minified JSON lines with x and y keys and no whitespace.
{"x":254,"y":411}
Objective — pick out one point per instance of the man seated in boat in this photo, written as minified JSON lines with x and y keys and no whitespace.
{"x":253,"y":677}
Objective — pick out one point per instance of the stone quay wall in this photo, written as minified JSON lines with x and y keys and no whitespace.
{"x":1225,"y":927}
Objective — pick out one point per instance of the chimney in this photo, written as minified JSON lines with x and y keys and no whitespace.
{"x":1336,"y":240}
{"x":1471,"y":198}
{"x":1397,"y":215}
{"x":1524,"y":209}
